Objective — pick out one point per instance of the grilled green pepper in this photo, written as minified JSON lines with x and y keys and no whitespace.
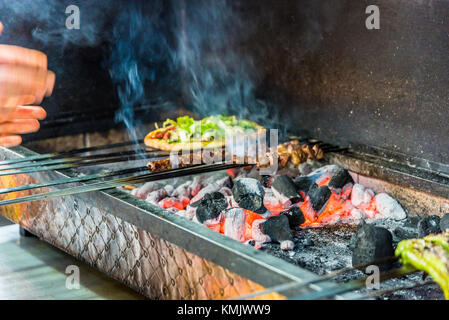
{"x":431,"y":255}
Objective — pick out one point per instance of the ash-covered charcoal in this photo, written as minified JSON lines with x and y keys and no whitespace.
{"x":182,"y":190}
{"x":249,"y":193}
{"x":444,"y":222}
{"x":287,"y":245}
{"x":285,"y":190}
{"x":295,"y":217}
{"x":234,"y":225}
{"x":429,"y":225}
{"x":267,"y":181}
{"x":155,"y":196}
{"x":257,"y":233}
{"x":277,"y":228}
{"x":303,"y":183}
{"x":213,"y":187}
{"x":196,"y":185}
{"x":340,"y":178}
{"x":319,"y":196}
{"x":389,"y":207}
{"x":210,"y":206}
{"x":370,"y":244}
{"x":143,"y":191}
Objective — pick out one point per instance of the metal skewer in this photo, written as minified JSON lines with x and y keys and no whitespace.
{"x":123,"y":181}
{"x":353,"y":285}
{"x":76,"y":164}
{"x":79,"y":159}
{"x":300,"y":285}
{"x":70,"y":152}
{"x":72,"y":180}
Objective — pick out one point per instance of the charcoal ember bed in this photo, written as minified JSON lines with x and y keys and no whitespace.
{"x":328,"y":248}
{"x":323,"y":240}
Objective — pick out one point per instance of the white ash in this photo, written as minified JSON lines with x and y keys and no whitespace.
{"x":287,"y":245}
{"x":169,"y":189}
{"x":368,"y":195}
{"x":155,"y":196}
{"x":182,"y":190}
{"x":213,"y":187}
{"x":281,"y":199}
{"x":143,"y":191}
{"x":234,"y":225}
{"x":252,"y":185}
{"x":256,"y":231}
{"x":190,"y":212}
{"x":357,"y":195}
{"x":226,"y":191}
{"x":270,"y":198}
{"x":213,"y":221}
{"x":389,"y":207}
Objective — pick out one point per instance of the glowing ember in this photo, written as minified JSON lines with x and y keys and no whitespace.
{"x":321,"y":205}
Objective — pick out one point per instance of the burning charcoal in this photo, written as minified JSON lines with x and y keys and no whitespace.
{"x":303,"y":183}
{"x":295,"y":217}
{"x":196,"y":186}
{"x":182,"y":190}
{"x":234,"y":226}
{"x":444,"y":222}
{"x":389,"y":207}
{"x":169,"y":189}
{"x":277,"y":228}
{"x":285,"y":190}
{"x":190,"y":212}
{"x":146,"y":189}
{"x":266,"y":181}
{"x":319,"y":196}
{"x":155,"y":196}
{"x":287,"y":245}
{"x":225,"y":191}
{"x":256,"y":231}
{"x":357,"y":195}
{"x":213,"y":187}
{"x":210,"y":206}
{"x":340,"y":178}
{"x":429,"y":225}
{"x":249,"y":193}
{"x":370,"y":244}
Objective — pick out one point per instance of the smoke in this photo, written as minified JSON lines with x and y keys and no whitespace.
{"x":218,"y":77}
{"x":138,"y":54}
{"x":48,"y":18}
{"x":151,"y":43}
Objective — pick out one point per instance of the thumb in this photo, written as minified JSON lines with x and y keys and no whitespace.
{"x":1,"y":28}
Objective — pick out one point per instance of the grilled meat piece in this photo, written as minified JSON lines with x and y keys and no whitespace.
{"x":291,"y":152}
{"x":429,"y":254}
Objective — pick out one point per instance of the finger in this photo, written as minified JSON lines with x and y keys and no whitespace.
{"x":10,"y":141}
{"x":12,"y":102}
{"x":22,"y":56}
{"x":51,"y":79}
{"x":1,"y":28}
{"x":28,"y":112}
{"x":19,"y":126}
{"x":22,"y":81}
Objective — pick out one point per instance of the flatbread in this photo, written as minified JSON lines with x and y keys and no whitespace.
{"x":163,"y":144}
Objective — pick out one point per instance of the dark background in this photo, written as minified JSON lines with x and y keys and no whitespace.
{"x":319,"y":69}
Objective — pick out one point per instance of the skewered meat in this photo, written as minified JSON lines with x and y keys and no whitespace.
{"x":429,"y":254}
{"x":291,"y":152}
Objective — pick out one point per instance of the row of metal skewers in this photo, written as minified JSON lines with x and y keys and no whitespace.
{"x":100,"y":155}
